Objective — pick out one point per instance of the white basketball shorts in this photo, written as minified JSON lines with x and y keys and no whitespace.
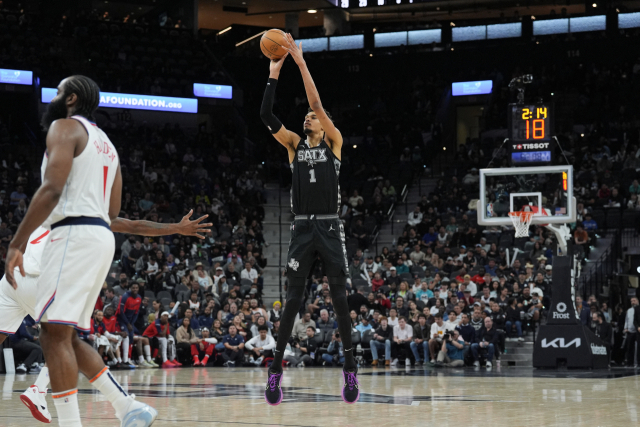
{"x":16,"y":304}
{"x":75,"y":264}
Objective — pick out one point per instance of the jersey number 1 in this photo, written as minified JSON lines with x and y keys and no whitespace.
{"x":312,"y":172}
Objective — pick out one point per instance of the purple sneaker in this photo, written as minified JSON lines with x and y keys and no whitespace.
{"x":351,"y":389}
{"x":273,"y":392}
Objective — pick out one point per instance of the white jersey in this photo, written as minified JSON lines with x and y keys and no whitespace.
{"x":87,"y":191}
{"x":32,"y":257}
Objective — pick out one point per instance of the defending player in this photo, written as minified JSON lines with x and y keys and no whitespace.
{"x":80,"y":194}
{"x":16,"y":304}
{"x":316,"y":230}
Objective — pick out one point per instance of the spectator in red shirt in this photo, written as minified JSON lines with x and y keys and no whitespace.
{"x":204,"y":349}
{"x":160,"y":334}
{"x":377,"y":282}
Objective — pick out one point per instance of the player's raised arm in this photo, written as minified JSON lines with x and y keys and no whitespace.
{"x":285,"y":137}
{"x":334,"y":137}
{"x":186,"y":227}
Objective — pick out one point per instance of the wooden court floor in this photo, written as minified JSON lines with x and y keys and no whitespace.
{"x":389,"y":397}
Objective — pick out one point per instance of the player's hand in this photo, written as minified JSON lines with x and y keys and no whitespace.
{"x":186,"y":227}
{"x":276,"y":65}
{"x":294,"y":50}
{"x":14,"y":259}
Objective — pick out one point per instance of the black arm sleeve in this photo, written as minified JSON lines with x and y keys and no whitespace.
{"x":266,"y":113}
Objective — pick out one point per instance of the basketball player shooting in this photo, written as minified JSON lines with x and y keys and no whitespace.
{"x":79,"y":197}
{"x":16,"y":304}
{"x":316,"y":229}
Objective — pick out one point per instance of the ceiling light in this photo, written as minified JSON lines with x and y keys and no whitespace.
{"x":312,"y":11}
{"x":224,"y":31}
{"x":595,"y":5}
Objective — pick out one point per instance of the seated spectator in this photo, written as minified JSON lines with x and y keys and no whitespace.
{"x":274,"y":314}
{"x":249,"y":273}
{"x":414,"y":217}
{"x":260,"y":321}
{"x":335,"y":351}
{"x":402,"y":338}
{"x":364,"y":325}
{"x":28,"y":349}
{"x":438,"y":329}
{"x":300,"y":328}
{"x":202,"y":277}
{"x":467,"y":332}
{"x":261,"y":345}
{"x":160,"y":337}
{"x":185,"y":338}
{"x":382,"y":339}
{"x":233,"y":347}
{"x":451,"y":354}
{"x":486,"y":341}
{"x":203,"y":349}
{"x":102,"y":339}
{"x":307,"y":348}
{"x":421,"y":339}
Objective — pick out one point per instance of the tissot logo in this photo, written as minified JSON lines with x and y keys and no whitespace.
{"x":559,"y":343}
{"x":531,"y":146}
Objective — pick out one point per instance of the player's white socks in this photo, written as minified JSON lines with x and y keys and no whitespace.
{"x":112,"y":390}
{"x":42,"y":382}
{"x":67,"y":407}
{"x":125,"y":350}
{"x":147,"y":352}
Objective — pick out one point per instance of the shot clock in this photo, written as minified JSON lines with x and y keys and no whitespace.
{"x":530,"y":133}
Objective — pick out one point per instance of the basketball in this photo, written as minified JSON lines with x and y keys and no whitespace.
{"x":271,"y":44}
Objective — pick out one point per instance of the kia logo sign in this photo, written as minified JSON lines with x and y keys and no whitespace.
{"x":559,"y":343}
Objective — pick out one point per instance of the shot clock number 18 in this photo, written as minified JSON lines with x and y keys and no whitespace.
{"x":530,"y":123}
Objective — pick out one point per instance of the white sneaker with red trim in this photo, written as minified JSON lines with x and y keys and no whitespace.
{"x":35,"y":400}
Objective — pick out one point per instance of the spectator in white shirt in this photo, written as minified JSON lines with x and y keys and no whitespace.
{"x":438,"y":329}
{"x":415,"y":217}
{"x":260,"y":346}
{"x":249,"y":273}
{"x":453,"y":321}
{"x":392,"y":321}
{"x":402,"y":338}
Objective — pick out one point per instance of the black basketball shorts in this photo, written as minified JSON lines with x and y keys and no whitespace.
{"x":314,"y":236}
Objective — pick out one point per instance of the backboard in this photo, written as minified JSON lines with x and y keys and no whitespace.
{"x":504,"y":190}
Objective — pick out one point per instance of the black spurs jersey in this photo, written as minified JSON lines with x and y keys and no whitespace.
{"x":315,"y":188}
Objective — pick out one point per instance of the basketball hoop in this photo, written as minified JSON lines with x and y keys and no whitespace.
{"x":521,"y":221}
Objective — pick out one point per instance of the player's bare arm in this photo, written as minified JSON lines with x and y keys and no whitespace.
{"x":284,"y":136}
{"x":65,"y":140}
{"x":186,"y":227}
{"x":333,"y":135}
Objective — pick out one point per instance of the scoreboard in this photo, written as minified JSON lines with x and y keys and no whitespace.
{"x":530,"y":132}
{"x":354,"y":4}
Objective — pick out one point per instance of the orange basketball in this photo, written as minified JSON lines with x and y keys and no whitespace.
{"x":271,"y":44}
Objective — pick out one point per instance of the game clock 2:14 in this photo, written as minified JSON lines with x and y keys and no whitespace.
{"x":530,"y":123}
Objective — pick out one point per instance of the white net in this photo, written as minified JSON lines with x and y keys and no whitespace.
{"x":521,"y":222}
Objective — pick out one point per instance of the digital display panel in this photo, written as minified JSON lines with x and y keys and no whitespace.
{"x":531,"y":157}
{"x":16,"y":77}
{"x":629,"y":20}
{"x":482,"y":87}
{"x":587,"y":23}
{"x":212,"y":91}
{"x":530,"y":123}
{"x":315,"y":45}
{"x":136,"y":102}
{"x":346,"y":42}
{"x":348,"y":4}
